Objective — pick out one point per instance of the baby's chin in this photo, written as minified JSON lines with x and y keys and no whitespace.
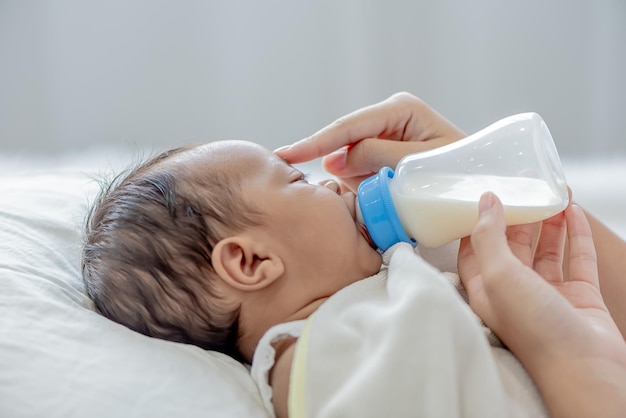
{"x":372,"y":262}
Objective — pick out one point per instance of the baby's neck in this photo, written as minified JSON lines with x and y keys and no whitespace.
{"x":250,"y":336}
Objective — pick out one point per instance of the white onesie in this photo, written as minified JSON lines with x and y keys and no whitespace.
{"x":443,"y":258}
{"x":264,"y":355}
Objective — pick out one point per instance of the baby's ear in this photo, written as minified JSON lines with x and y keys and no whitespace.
{"x":246,"y":264}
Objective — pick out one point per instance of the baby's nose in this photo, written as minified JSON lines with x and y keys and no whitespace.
{"x":332,"y":185}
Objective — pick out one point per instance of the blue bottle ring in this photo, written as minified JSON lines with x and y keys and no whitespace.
{"x":378,"y":211}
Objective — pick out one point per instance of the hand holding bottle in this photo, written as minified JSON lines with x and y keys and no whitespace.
{"x":359,"y":144}
{"x":559,"y":328}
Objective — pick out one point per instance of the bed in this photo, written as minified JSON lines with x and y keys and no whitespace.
{"x":59,"y":358}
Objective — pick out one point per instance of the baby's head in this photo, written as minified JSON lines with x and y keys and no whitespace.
{"x":212,"y":245}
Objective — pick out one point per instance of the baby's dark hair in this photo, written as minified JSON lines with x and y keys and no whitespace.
{"x":146,"y":260}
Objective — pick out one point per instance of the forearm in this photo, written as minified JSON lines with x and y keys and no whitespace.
{"x":582,"y":387}
{"x":611,"y":253}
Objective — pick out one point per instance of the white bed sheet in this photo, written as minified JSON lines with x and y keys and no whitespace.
{"x":58,"y":358}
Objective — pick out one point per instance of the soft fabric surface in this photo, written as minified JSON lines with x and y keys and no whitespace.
{"x":403,"y":343}
{"x":61,"y":359}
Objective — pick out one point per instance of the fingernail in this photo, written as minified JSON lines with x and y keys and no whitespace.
{"x":281,"y":149}
{"x":486,"y":202}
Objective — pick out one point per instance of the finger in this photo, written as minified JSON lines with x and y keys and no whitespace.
{"x":467,"y":264}
{"x":582,"y":260}
{"x":386,"y":119}
{"x":369,"y":155}
{"x":514,"y":293}
{"x":489,"y":240}
{"x":520,"y":241}
{"x":487,"y":262}
{"x":548,"y":261}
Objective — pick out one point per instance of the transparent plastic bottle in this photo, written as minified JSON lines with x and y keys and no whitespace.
{"x":432,"y":198}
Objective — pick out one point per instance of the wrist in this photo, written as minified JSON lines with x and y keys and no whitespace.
{"x":572,"y":386}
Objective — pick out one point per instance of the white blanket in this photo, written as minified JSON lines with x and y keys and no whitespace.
{"x":406,"y":345}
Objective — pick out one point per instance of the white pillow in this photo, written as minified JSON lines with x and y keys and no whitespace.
{"x":60,"y":358}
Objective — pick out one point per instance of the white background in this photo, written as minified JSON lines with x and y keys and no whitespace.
{"x":153,"y":74}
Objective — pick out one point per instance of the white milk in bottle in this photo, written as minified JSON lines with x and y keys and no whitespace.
{"x":432,"y":197}
{"x":442,"y":208}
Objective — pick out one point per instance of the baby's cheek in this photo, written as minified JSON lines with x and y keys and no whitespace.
{"x":373,"y":261}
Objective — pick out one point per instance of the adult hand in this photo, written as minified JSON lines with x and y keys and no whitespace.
{"x":559,"y":328}
{"x":359,"y":144}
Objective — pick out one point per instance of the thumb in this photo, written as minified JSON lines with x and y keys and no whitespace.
{"x":523,"y":310}
{"x":495,"y":301}
{"x":489,"y":238}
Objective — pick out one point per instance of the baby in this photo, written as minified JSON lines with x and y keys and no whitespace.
{"x":213,"y":245}
{"x":228,"y":247}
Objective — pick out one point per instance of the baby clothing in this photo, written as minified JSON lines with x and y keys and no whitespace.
{"x":400,"y":343}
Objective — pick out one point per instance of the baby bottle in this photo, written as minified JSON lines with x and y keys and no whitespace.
{"x":432,"y":198}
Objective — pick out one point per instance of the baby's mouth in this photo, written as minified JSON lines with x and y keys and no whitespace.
{"x":366,"y":235}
